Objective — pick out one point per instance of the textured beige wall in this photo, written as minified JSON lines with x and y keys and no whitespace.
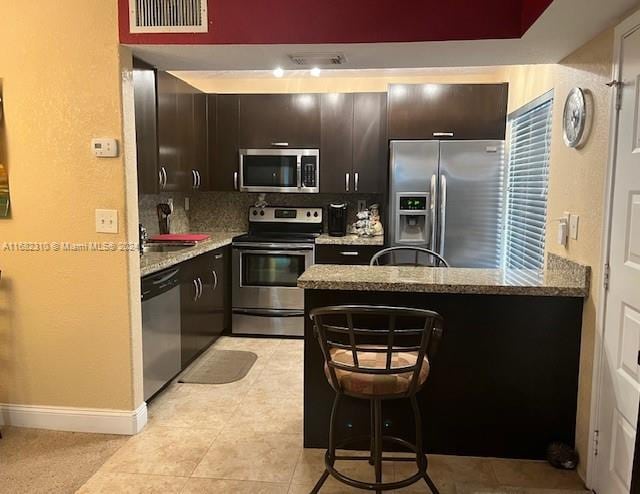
{"x":362,"y":82}
{"x":65,"y":317}
{"x":576,"y":181}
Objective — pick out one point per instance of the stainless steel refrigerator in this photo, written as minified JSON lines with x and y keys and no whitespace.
{"x":448,"y":196}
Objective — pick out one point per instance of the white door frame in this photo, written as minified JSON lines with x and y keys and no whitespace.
{"x":621,"y":30}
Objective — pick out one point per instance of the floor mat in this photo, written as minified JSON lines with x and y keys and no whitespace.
{"x":219,"y":367}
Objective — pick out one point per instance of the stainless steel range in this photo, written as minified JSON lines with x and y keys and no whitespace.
{"x":266,"y":265}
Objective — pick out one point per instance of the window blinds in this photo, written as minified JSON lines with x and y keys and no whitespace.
{"x":527,"y":185}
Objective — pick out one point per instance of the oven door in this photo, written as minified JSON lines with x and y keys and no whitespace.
{"x":265,"y":277}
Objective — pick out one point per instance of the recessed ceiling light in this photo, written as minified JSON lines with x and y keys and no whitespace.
{"x":278,"y":72}
{"x":315,"y":72}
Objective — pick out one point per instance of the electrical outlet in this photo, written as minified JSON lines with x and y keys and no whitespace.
{"x":186,"y":203}
{"x":106,"y":221}
{"x":362,"y":205}
{"x":574,"y":219}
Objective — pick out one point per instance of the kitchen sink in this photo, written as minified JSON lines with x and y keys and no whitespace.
{"x":163,"y":248}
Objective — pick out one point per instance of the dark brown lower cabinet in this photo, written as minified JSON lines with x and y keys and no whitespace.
{"x":345,"y":254}
{"x":203,"y":302}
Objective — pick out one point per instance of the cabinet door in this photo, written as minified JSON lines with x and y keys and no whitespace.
{"x":185,"y":135}
{"x":223,"y":141}
{"x":336,"y":142}
{"x":215,"y":292}
{"x":448,"y":111}
{"x":192,"y":311}
{"x":167,"y":136}
{"x":200,"y":125}
{"x":370,"y":145}
{"x":144,"y":87}
{"x":278,"y":120}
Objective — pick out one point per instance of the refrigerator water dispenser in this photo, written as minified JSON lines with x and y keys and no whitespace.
{"x":413,"y":225}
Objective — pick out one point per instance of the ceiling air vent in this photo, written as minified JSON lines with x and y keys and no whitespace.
{"x":318,"y":59}
{"x":168,"y":16}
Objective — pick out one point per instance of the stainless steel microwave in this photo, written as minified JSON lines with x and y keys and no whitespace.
{"x":280,"y":170}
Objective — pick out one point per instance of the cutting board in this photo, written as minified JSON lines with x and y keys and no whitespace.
{"x":179,"y":237}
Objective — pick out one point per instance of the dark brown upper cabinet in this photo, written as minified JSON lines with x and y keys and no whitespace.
{"x":353,"y":151}
{"x":191,"y":130}
{"x":336,"y":142}
{"x":170,"y":176}
{"x":279,"y":120}
{"x":144,"y":87}
{"x":448,"y":111}
{"x":200,"y":151}
{"x":370,"y":144}
{"x":222,"y":110}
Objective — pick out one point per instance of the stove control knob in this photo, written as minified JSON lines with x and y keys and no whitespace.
{"x":262,"y":213}
{"x":315,"y":214}
{"x":255,"y":213}
{"x":308,"y":214}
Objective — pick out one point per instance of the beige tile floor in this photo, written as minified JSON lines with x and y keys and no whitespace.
{"x":246,"y":437}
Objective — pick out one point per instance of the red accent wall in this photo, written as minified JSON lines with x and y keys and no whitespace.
{"x":350,"y":21}
{"x":531,"y":12}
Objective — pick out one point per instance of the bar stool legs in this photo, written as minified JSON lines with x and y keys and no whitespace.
{"x":376,"y":453}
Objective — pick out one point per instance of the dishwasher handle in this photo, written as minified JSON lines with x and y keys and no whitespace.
{"x":159,"y":283}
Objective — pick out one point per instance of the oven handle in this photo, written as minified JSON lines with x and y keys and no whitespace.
{"x":260,"y":246}
{"x":276,"y":252}
{"x":269,"y":312}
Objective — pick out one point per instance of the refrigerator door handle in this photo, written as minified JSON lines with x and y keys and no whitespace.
{"x":432,"y":207}
{"x":443,"y":212}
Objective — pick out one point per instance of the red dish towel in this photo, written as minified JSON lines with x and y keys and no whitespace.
{"x":179,"y":237}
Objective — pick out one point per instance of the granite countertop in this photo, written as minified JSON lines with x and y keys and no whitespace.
{"x":552,"y":283}
{"x":326,"y":239}
{"x":152,"y":262}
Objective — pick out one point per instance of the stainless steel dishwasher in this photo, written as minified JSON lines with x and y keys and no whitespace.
{"x":160,"y":329}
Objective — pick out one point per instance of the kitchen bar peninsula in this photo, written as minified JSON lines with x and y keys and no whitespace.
{"x":505,"y":379}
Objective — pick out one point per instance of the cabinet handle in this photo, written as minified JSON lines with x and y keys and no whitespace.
{"x":160,"y":178}
{"x":349,"y":253}
{"x":200,"y":284}
{"x":356,"y":176}
{"x":199,"y":179}
{"x":215,"y":279}
{"x":197,"y":291}
{"x":163,"y":177}
{"x":280,"y":144}
{"x":443,"y":134}
{"x":218,"y":256}
{"x":235,"y":180}
{"x":194,"y":180}
{"x":346,"y":181}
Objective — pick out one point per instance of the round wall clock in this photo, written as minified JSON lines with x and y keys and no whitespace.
{"x":577,"y":113}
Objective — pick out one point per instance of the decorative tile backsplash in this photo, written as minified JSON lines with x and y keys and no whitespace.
{"x":227,"y":211}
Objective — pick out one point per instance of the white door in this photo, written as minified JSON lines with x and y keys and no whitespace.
{"x":620,"y":379}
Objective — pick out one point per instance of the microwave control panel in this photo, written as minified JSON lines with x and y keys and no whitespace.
{"x":309,"y":166}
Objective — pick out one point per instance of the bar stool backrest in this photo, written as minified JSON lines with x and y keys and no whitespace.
{"x":381,"y":330}
{"x":408,"y":256}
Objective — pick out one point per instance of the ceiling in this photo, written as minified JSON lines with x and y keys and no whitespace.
{"x":549,"y":39}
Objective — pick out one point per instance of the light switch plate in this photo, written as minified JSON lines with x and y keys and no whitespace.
{"x":106,"y":221}
{"x":104,"y":147}
{"x":573,"y":226}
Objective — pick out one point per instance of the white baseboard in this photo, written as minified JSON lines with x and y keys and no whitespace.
{"x":102,"y":421}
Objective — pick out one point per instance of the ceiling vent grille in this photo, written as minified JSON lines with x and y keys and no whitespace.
{"x":168,"y":16}
{"x":317,"y":59}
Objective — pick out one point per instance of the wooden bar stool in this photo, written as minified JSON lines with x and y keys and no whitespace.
{"x":376,"y":354}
